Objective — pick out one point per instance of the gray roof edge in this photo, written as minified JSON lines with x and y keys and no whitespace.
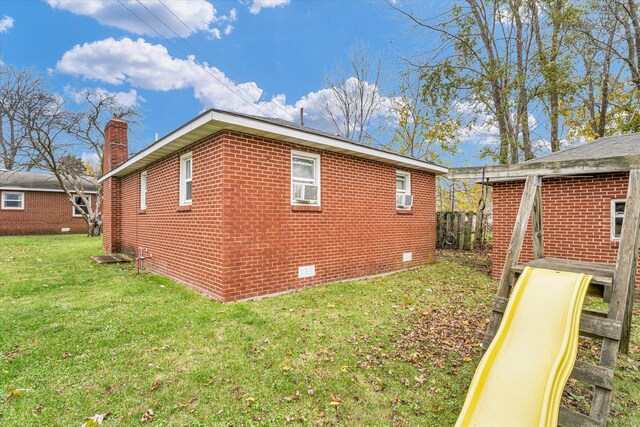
{"x":34,"y":181}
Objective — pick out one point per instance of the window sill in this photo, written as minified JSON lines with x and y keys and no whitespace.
{"x":307,"y":208}
{"x":404,"y":211}
{"x":142,"y":211}
{"x":186,"y":208}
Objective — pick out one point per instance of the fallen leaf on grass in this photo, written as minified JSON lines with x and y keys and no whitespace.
{"x":335,"y":399}
{"x":294,"y":396}
{"x":15,"y":352}
{"x":147,"y":416}
{"x":94,"y":421}
{"x":183,"y":404}
{"x":155,"y":384}
{"x":14,"y":393}
{"x":444,"y":336}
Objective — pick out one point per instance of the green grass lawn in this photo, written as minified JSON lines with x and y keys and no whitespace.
{"x":78,"y":339}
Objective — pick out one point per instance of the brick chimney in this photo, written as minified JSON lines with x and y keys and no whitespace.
{"x":116,"y":152}
{"x":116,"y":144}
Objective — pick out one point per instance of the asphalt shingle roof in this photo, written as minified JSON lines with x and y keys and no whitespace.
{"x":609,"y":146}
{"x":37,"y":180}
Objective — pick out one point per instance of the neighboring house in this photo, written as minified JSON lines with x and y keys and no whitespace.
{"x":582,"y":213}
{"x":34,"y":203}
{"x":239,"y":206}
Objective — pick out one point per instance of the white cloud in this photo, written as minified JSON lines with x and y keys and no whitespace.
{"x":126,"y":99}
{"x":257,"y":5}
{"x":150,"y":66}
{"x":6,"y":23}
{"x":171,"y":18}
{"x":91,"y":159}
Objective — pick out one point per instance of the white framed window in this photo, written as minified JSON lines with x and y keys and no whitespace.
{"x":83,"y":206}
{"x":186,"y":183}
{"x":305,"y":178}
{"x":143,"y":190}
{"x":617,"y":216}
{"x":13,"y":200}
{"x":404,"y":199}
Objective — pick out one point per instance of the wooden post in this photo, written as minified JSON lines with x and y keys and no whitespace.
{"x":536,"y":224}
{"x":461,"y":230}
{"x":627,"y":260}
{"x":513,"y":252}
{"x":468,"y":231}
{"x":473,"y":228}
{"x":439,"y":229}
{"x":621,"y":293}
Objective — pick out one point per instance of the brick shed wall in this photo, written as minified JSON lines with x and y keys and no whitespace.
{"x":242,"y":238}
{"x":576,"y":218}
{"x":44,"y":213}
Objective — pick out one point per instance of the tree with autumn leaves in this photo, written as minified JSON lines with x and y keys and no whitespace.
{"x":541,"y":73}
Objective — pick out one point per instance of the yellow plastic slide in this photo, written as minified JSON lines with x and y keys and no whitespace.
{"x":520,"y":379}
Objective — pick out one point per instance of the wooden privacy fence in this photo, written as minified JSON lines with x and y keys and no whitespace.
{"x":461,"y":230}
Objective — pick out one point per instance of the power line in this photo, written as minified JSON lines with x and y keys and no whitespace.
{"x":195,"y":33}
{"x":204,"y":42}
{"x":194,"y":61}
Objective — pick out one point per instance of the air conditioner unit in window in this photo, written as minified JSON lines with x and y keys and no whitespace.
{"x":305,"y":193}
{"x":404,"y":201}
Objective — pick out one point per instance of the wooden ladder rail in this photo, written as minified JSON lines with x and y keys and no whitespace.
{"x":529,"y":195}
{"x":613,"y":327}
{"x":621,"y":305}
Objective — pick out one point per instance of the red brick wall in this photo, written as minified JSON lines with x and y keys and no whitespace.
{"x":179,"y":242}
{"x":44,"y":213}
{"x":242,"y":238}
{"x":576,"y":218}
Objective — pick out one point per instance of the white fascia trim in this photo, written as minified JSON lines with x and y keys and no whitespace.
{"x":46,"y":190}
{"x":205,"y":118}
{"x":259,"y":125}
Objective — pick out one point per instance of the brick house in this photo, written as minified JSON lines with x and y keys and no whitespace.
{"x":238,"y":206}
{"x":583,"y":198}
{"x":34,"y":203}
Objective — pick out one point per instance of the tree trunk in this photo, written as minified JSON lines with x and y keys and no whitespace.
{"x":523,"y":102}
{"x":94,"y":225}
{"x":554,"y":118}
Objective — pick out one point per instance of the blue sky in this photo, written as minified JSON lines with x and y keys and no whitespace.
{"x":266,"y":56}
